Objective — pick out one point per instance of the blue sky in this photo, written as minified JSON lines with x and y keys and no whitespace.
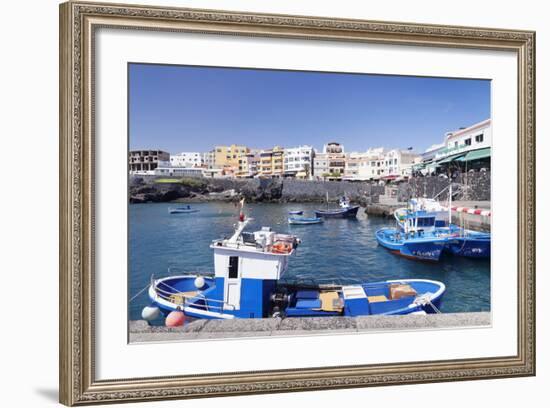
{"x":180,"y":108}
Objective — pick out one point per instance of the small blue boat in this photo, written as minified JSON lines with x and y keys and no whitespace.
{"x":345,"y":211}
{"x":304,"y":220}
{"x":295,"y":212}
{"x":182,"y":210}
{"x":247,"y":283}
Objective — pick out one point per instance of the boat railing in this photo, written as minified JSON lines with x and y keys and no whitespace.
{"x":191,"y":299}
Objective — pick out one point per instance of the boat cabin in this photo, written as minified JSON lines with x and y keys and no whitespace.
{"x":247,"y":267}
{"x":419,"y":222}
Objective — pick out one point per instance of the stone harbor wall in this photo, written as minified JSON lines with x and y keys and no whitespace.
{"x":301,"y":190}
{"x":475,"y":186}
{"x":147,"y":189}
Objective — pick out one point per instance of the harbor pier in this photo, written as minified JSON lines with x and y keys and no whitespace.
{"x":202,"y":329}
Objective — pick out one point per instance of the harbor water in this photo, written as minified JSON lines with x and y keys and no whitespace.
{"x":341,"y":251}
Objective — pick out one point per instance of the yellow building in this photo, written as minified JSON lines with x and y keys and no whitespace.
{"x":271,"y":162}
{"x":233,"y":156}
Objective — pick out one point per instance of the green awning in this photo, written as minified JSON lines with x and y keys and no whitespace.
{"x":451,"y":158}
{"x":477,"y":154}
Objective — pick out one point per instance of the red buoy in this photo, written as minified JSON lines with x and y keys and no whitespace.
{"x":175,"y":319}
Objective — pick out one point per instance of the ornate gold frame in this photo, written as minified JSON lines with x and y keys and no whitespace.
{"x":78,"y":21}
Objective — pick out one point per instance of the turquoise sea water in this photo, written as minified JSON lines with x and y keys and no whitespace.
{"x":338,"y":250}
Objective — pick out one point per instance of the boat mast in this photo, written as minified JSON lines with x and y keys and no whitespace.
{"x":241,"y":225}
{"x":450,"y":201}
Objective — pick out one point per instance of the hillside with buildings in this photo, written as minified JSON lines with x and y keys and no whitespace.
{"x":308,"y":173}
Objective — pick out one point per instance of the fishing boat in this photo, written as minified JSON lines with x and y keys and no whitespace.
{"x":460,"y":240}
{"x":418,"y":246}
{"x":246,"y":283}
{"x":345,"y":210}
{"x":295,"y":212}
{"x":429,"y":205}
{"x":182,"y":210}
{"x":304,"y":220}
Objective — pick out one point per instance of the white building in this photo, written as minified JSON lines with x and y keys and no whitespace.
{"x":186,"y":159}
{"x":298,"y":161}
{"x":320,"y":165}
{"x":364,"y":165}
{"x":399,"y":163}
{"x":376,"y":163}
{"x":209,"y":159}
{"x":464,"y":140}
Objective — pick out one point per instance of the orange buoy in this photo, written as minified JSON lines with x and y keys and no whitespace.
{"x":175,"y":319}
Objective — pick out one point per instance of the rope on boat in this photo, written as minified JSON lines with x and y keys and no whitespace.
{"x":139,"y":293}
{"x":425,"y":299}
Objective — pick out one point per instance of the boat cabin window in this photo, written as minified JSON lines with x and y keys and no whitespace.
{"x":233,"y":267}
{"x":426,"y":221}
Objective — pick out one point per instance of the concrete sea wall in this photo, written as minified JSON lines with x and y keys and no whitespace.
{"x":202,"y":329}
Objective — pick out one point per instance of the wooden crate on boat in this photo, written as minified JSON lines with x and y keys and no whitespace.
{"x":398,"y":291}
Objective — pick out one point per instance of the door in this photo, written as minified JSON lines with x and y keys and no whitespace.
{"x":232,"y":294}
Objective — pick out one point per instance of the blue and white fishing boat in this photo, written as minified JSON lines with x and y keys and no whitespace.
{"x":182,"y":210}
{"x":413,"y":245}
{"x":428,"y":205}
{"x":460,"y":241}
{"x":304,"y":220}
{"x":345,"y":210}
{"x":246,"y":283}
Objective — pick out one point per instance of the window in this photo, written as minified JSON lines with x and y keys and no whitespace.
{"x":479,"y":138}
{"x":233,"y":267}
{"x":456,"y":144}
{"x":468,"y":142}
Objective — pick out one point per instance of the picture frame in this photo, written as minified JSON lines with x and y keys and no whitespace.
{"x":79,"y":22}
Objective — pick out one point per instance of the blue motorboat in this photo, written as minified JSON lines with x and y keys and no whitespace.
{"x":345,"y":210}
{"x":304,"y":220}
{"x":295,"y":212}
{"x":414,"y":245}
{"x":247,"y":283}
{"x":182,"y":210}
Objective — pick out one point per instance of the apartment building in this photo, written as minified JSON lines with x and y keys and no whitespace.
{"x":146,"y":160}
{"x":298,"y":162}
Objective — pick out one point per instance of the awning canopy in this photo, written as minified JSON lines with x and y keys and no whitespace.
{"x":477,"y":154}
{"x":451,"y":158}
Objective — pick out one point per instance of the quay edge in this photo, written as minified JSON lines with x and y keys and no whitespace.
{"x":140,"y":331}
